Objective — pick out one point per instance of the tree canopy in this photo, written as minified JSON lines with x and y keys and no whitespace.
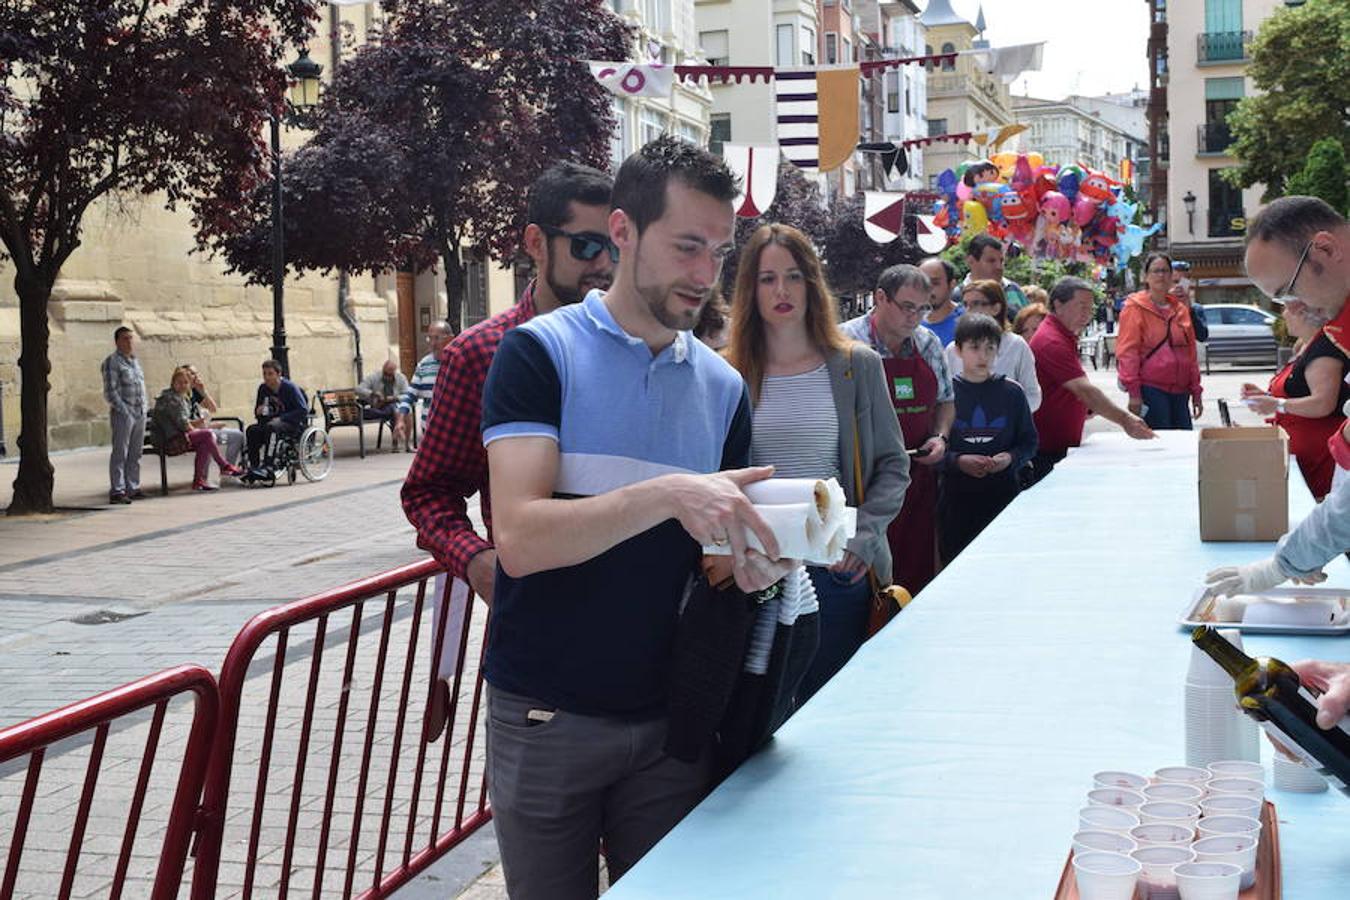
{"x":100,"y":98}
{"x":430,"y":135}
{"x":1301,"y":67}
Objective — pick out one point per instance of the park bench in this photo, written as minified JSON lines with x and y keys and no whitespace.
{"x":151,"y":447}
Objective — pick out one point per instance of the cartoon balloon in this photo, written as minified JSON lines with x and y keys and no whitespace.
{"x":1098,"y":186}
{"x":1131,"y":242}
{"x":1006,"y":162}
{"x":1084,"y":208}
{"x":1035,"y":160}
{"x":1023,"y":173}
{"x":1068,"y":182}
{"x":975,"y":219}
{"x":947,"y":181}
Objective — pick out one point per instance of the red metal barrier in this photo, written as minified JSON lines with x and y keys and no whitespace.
{"x":311,"y":836}
{"x":34,"y":737}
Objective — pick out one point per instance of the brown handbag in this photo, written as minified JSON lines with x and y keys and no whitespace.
{"x":885,"y":601}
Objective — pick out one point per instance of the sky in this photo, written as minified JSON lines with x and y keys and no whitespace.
{"x":1091,"y":47}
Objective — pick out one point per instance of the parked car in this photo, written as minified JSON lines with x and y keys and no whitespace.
{"x":1239,"y":333}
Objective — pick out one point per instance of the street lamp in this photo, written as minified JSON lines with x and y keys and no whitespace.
{"x":302,"y":96}
{"x":1189,"y":201}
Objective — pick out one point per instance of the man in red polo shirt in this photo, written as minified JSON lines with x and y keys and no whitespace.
{"x":1066,"y":393}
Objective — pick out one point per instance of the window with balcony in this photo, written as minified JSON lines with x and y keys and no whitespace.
{"x":1226,"y":215}
{"x":652,"y":125}
{"x":948,"y":65}
{"x":831,"y":48}
{"x":1221,"y":98}
{"x":808,"y":47}
{"x":893,"y":92}
{"x":714,"y":45}
{"x":1223,"y":39}
{"x":847,"y":55}
{"x":719,"y":131}
{"x":656,"y":15}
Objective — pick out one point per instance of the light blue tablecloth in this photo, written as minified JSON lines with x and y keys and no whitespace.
{"x":949,"y":758}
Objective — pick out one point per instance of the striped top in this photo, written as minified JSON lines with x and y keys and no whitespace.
{"x":796,"y":428}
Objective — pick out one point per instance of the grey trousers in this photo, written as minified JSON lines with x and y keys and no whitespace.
{"x":231,"y":442}
{"x":562,"y":787}
{"x":124,"y":466}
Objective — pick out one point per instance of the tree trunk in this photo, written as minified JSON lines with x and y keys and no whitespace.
{"x":33,"y":486}
{"x":454,"y":287}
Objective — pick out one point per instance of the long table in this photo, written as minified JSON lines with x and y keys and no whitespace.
{"x":949,"y":758}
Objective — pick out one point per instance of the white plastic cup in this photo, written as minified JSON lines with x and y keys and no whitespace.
{"x":1161,"y":834}
{"x":1108,"y":876}
{"x":1156,"y":880}
{"x":1237,"y":768}
{"x":1208,"y":880}
{"x":1216,"y":825}
{"x":1169,"y":811}
{"x":1103,"y":842}
{"x":1111,"y":778}
{"x":1175,"y":791}
{"x":1183,"y":774}
{"x":1107,"y":818}
{"x":1231,"y":805}
{"x":1291,"y":775}
{"x":1115,"y":797}
{"x":1238,"y":849}
{"x":1244,"y":787}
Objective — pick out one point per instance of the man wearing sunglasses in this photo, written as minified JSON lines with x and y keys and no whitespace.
{"x":567,"y":210}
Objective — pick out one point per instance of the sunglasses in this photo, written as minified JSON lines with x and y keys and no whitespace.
{"x":584,"y":245}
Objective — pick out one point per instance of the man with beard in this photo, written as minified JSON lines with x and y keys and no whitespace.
{"x":567,"y":239}
{"x":610,"y":429}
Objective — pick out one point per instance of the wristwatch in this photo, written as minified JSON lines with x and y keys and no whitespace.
{"x":941,"y":437}
{"x":1280,"y":404}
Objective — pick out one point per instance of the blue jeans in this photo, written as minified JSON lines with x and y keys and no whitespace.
{"x":1166,"y":411}
{"x":843,"y":626}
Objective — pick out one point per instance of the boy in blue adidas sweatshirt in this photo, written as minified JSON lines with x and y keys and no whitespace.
{"x":993,"y":436}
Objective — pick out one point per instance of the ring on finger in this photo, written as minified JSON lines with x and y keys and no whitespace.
{"x":720,"y":541}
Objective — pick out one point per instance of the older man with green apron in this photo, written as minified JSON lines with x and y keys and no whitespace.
{"x":921,"y":389}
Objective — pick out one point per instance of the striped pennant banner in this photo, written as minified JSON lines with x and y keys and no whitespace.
{"x":817,"y":110}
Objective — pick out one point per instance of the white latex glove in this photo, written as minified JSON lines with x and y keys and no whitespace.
{"x":1253,"y":578}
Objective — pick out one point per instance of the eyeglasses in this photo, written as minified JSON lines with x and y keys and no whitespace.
{"x":910,"y":309}
{"x":585,"y":245}
{"x":1284,"y":296}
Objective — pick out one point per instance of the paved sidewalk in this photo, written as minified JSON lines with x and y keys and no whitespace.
{"x":97,"y":596}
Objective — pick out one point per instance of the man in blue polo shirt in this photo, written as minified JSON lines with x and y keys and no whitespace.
{"x":606,"y":425}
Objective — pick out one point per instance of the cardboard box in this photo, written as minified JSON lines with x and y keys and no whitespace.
{"x":1244,"y":484}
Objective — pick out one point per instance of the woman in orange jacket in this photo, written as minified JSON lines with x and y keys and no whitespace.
{"x":1156,"y":351}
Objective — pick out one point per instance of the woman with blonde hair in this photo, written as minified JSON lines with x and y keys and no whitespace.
{"x":818,"y":399}
{"x":176,"y":430}
{"x":1014,"y":361}
{"x":1029,"y":318}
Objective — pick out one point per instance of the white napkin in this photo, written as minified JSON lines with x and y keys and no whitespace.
{"x":809,"y":518}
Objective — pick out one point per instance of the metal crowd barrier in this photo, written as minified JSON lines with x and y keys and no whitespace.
{"x":383,"y":802}
{"x":97,"y":714}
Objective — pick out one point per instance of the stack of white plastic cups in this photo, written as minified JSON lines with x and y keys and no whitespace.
{"x":1215,"y":728}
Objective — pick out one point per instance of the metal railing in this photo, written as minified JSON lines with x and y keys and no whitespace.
{"x":98,"y":714}
{"x":390,"y":804}
{"x":1213,"y":138}
{"x":1223,"y":46}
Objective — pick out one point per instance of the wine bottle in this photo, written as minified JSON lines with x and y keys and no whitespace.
{"x":1269,"y":691}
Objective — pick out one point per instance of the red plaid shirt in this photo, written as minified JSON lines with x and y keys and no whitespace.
{"x":451,"y":463}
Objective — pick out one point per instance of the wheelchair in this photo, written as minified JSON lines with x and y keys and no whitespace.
{"x":310,"y":453}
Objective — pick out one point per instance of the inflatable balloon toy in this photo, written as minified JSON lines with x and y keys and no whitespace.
{"x":1023,"y":174}
{"x":1006,"y":162}
{"x":1018,"y":214}
{"x":981,"y":171}
{"x":1098,"y":186}
{"x":1131,"y":242}
{"x":1068,"y":181}
{"x":973,"y":218}
{"x":1084,"y":209}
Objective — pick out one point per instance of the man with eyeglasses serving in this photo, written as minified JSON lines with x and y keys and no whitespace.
{"x":1298,"y":252}
{"x":566,"y":238}
{"x":920,"y":381}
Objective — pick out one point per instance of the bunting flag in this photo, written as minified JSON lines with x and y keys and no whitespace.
{"x":1127,"y":171}
{"x":883,"y":215}
{"x":817,"y":116}
{"x":632,"y":80}
{"x":758,"y":171}
{"x":894,"y":162}
{"x":964,"y":137}
{"x":726,"y":74}
{"x":929,"y":237}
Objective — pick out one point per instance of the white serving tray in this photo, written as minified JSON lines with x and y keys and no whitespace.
{"x":1196,"y":613}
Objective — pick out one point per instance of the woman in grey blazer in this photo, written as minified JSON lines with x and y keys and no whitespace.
{"x":817,"y":396}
